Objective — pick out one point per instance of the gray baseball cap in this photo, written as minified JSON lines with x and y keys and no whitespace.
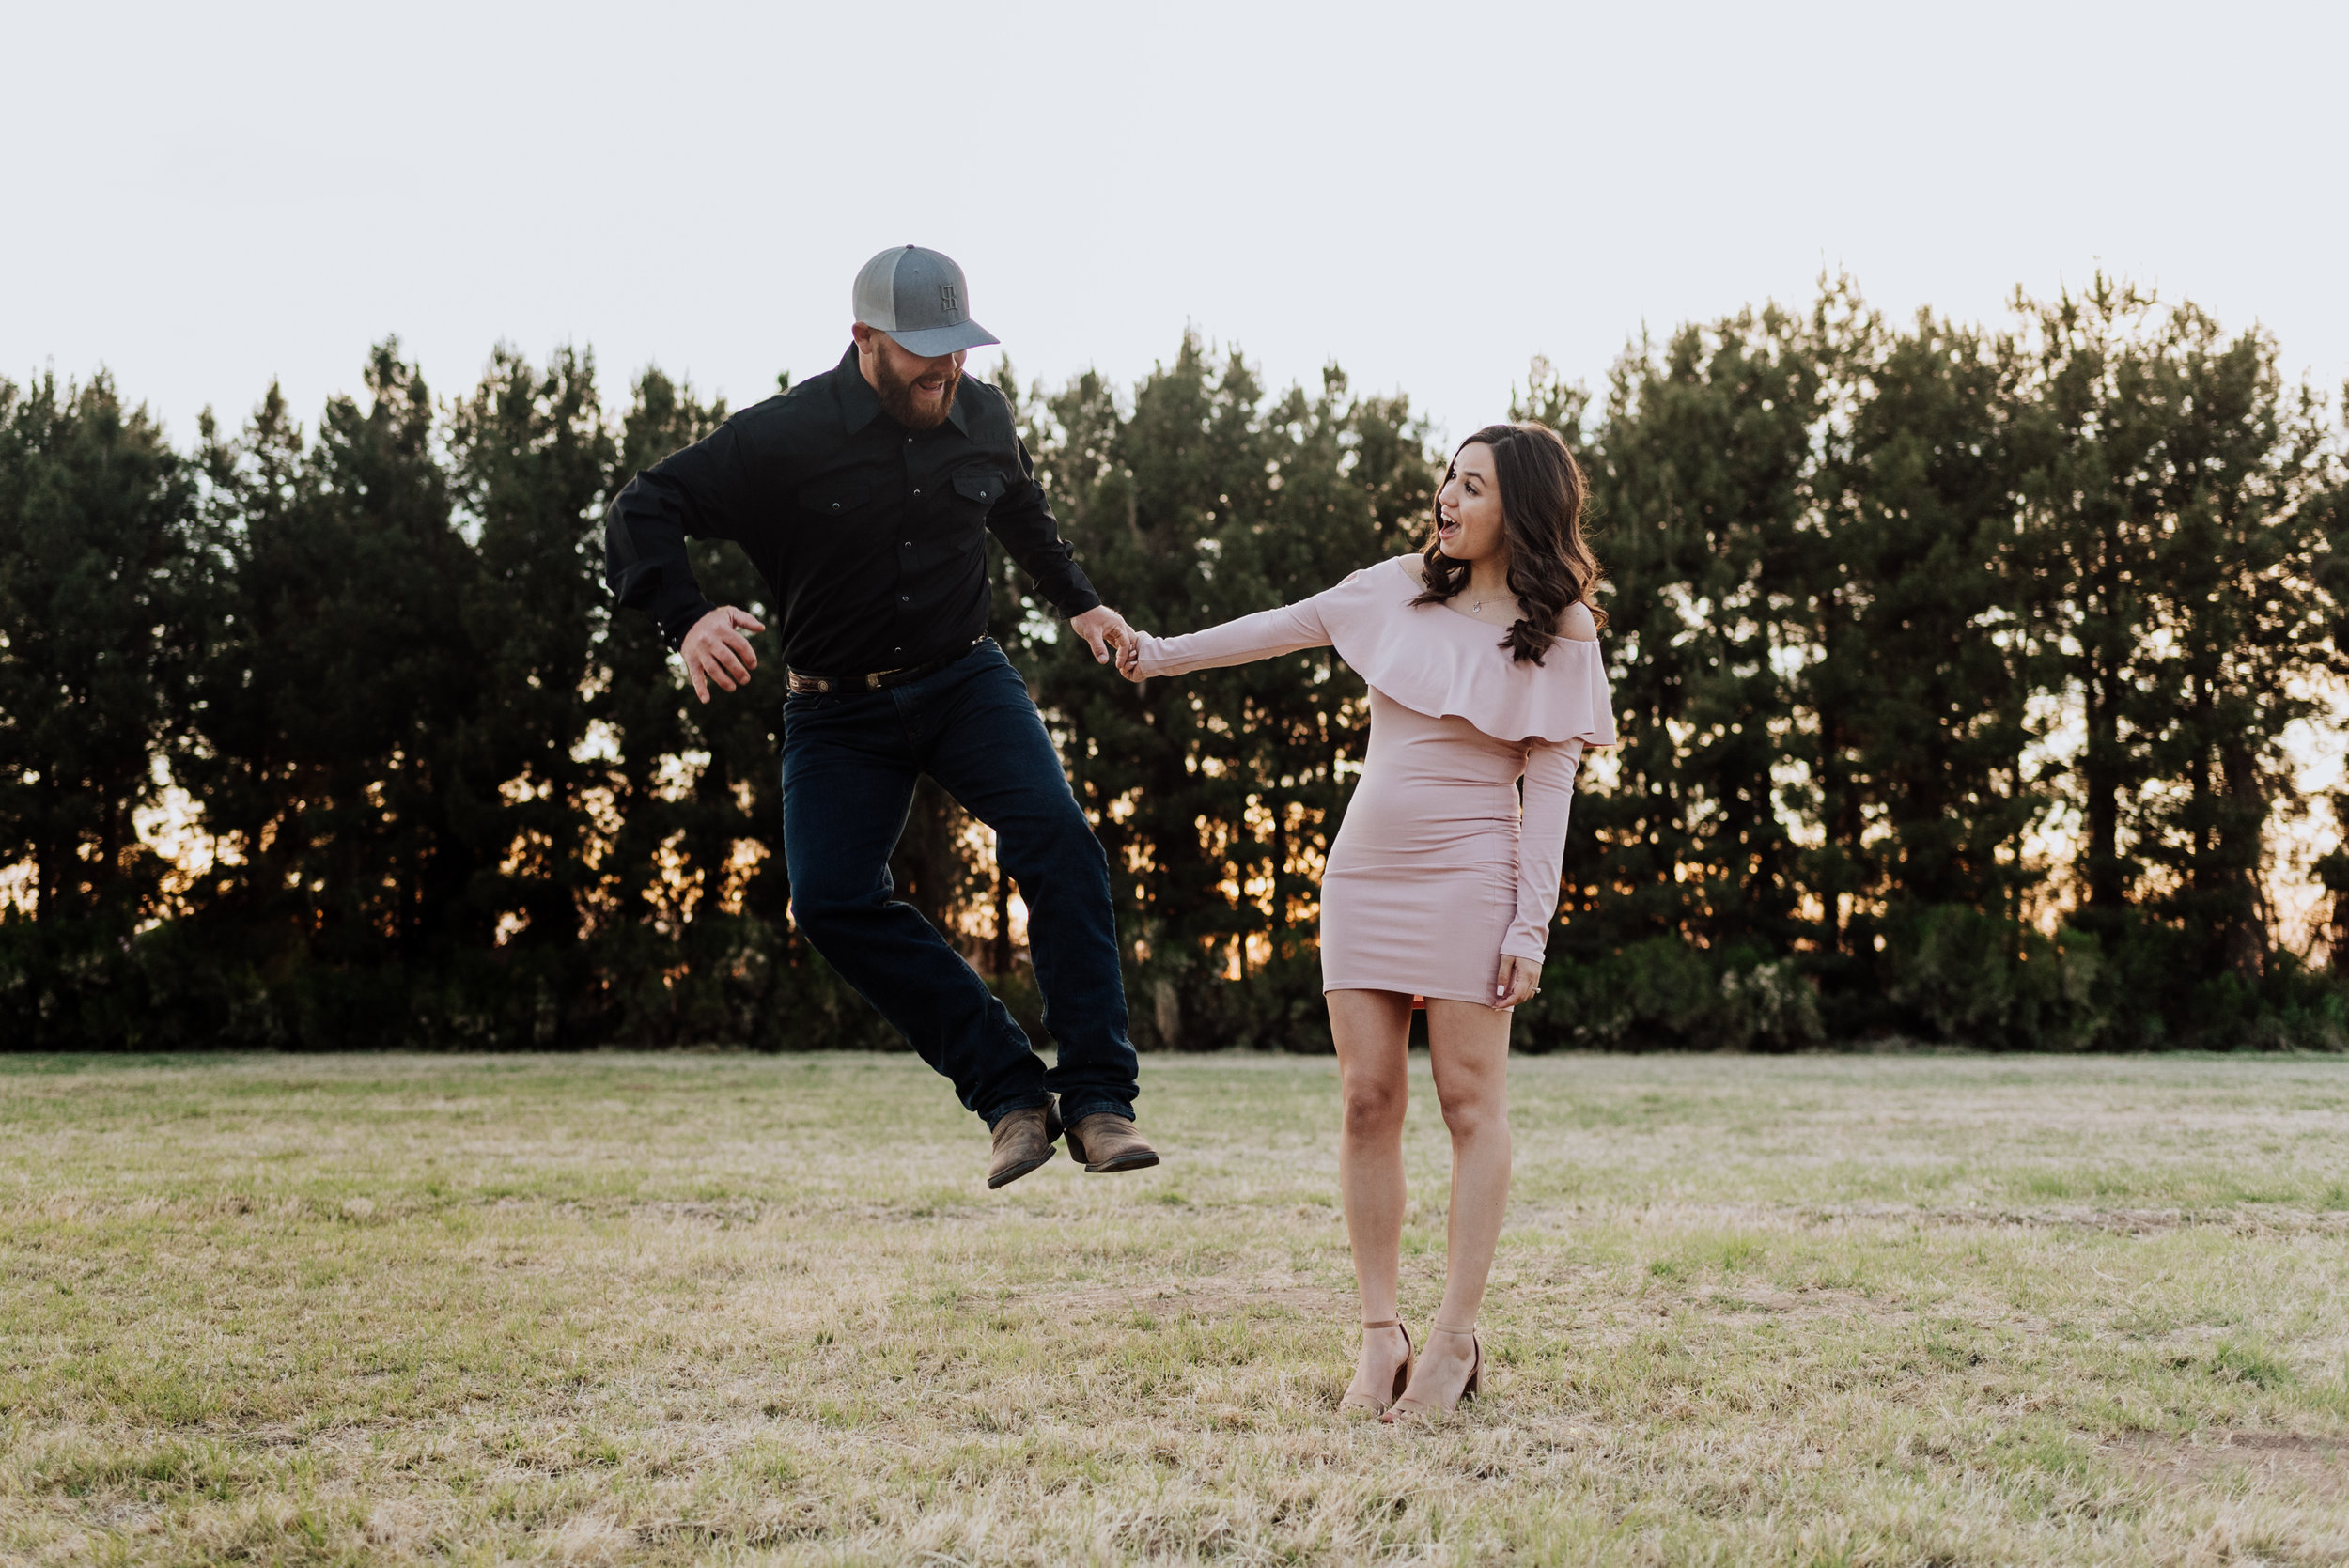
{"x":918,"y":297}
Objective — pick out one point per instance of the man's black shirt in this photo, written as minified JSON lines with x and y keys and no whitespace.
{"x":872,"y":537}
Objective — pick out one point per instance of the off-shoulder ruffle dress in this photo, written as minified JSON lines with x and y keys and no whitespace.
{"x":1436,"y":870}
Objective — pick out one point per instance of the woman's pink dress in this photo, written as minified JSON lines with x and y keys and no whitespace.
{"x":1436,"y":872}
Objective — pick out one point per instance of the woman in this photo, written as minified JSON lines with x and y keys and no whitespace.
{"x":1482,"y":662}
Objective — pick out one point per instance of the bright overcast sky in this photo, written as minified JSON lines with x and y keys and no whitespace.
{"x":207,"y":195}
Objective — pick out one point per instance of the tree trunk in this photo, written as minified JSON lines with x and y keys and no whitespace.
{"x":2107,"y":884}
{"x":2243,"y":935}
{"x":1280,"y":924}
{"x":928,"y":863}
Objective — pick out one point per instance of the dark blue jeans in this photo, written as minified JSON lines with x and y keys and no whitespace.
{"x":849,"y":762}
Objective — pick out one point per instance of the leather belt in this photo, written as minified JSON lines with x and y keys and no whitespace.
{"x":800,"y":680}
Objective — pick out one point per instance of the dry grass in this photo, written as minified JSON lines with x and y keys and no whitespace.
{"x":625,"y":1309}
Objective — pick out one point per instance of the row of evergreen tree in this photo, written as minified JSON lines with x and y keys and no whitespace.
{"x":1955,"y":667}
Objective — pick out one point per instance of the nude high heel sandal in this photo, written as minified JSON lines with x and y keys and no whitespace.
{"x":1404,"y":1408}
{"x":1354,"y":1401}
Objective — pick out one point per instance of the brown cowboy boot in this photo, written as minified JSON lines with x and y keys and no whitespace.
{"x":1023,"y":1141}
{"x":1108,"y":1143}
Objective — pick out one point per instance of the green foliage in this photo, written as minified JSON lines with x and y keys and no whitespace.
{"x":1974,"y":978}
{"x":1953,"y":669}
{"x":1863,"y":577}
{"x":107,"y":600}
{"x":1665,"y":992}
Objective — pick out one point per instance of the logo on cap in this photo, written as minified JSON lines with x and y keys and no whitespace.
{"x":946,"y":296}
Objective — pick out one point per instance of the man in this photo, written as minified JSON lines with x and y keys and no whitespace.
{"x":865,"y":496}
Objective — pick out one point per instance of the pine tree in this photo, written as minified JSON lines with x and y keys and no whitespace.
{"x":1927,"y":658}
{"x":532,"y":454}
{"x":341,"y":787}
{"x":1703,"y":498}
{"x":105,"y":604}
{"x":2238,"y":621}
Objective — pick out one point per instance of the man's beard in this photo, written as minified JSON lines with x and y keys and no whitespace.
{"x":898,"y":401}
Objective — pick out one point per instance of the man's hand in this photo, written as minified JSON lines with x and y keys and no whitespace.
{"x":1519,"y":979}
{"x":716,"y":651}
{"x":1102,"y":628}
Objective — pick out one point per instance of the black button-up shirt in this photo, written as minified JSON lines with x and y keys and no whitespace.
{"x":872,"y":537}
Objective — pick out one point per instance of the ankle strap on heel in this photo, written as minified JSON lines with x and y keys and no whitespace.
{"x":1447,"y":1328}
{"x":1385,"y":1323}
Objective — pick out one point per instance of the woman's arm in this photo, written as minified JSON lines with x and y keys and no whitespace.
{"x":1258,"y":636}
{"x":1542,"y":846}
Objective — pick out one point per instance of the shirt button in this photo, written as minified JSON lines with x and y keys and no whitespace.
{"x":905,"y":544}
{"x":905,"y":598}
{"x":835,"y":505}
{"x":917,"y":495}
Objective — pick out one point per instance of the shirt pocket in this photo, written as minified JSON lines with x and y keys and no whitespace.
{"x":979,"y":487}
{"x":835,"y":497}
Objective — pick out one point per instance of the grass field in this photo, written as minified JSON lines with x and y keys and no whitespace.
{"x":667,"y":1308}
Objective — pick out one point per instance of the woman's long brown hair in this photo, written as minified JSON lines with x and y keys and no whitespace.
{"x":1551,"y":566}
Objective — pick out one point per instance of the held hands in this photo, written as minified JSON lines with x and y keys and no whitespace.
{"x":1103,"y":629}
{"x":1129,"y":646}
{"x":1519,"y":979}
{"x":716,"y":651}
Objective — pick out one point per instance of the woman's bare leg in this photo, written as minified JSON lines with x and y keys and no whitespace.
{"x":1373,"y":1030}
{"x":1467,"y":1045}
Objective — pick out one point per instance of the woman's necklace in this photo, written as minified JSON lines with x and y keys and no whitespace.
{"x":1477,"y":600}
